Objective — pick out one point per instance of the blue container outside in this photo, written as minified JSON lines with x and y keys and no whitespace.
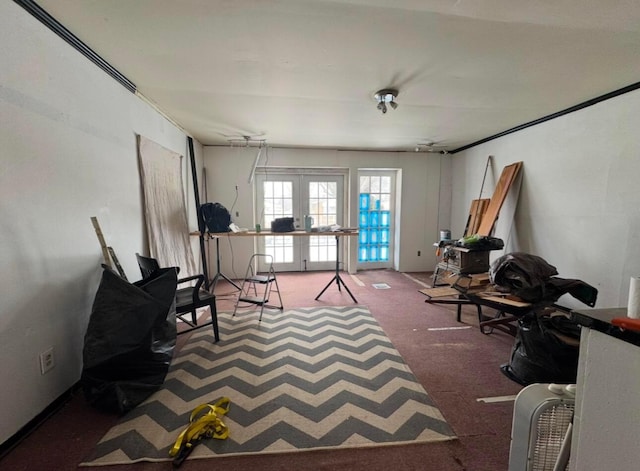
{"x":364,"y":201}
{"x":385,"y":218}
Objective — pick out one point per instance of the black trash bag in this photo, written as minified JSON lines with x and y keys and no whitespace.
{"x":523,"y":274}
{"x":545,"y":351}
{"x":130,"y":340}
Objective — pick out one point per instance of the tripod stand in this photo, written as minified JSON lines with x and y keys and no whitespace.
{"x":219,"y":274}
{"x":337,"y":278}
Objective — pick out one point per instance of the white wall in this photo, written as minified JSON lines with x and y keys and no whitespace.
{"x":228,"y":167}
{"x":578,"y":205}
{"x":67,"y":143}
{"x":68,"y":152}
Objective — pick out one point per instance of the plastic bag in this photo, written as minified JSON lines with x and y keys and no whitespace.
{"x":129,"y":341}
{"x":545,"y":350}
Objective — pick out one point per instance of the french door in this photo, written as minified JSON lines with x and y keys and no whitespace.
{"x":296,"y":194}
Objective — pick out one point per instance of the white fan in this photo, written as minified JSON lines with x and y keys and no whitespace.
{"x":245,"y":139}
{"x":541,"y":430}
{"x":431,"y":147}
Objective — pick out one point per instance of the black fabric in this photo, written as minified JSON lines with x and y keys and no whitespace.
{"x":545,"y":351}
{"x":215,"y":217}
{"x":584,"y":292}
{"x":522,"y":274}
{"x":129,"y":341}
{"x":282,"y":225}
{"x":532,"y":279}
{"x":546,"y":346}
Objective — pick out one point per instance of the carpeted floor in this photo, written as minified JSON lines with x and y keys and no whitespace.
{"x":302,"y":379}
{"x":457,"y":365}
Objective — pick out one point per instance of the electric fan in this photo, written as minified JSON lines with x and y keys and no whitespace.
{"x":541,"y":430}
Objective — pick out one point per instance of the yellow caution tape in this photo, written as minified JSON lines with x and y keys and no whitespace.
{"x":203,"y":422}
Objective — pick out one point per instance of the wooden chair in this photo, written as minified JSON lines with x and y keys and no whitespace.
{"x":187,"y":299}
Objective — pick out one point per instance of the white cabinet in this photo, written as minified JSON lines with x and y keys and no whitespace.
{"x":606,"y":431}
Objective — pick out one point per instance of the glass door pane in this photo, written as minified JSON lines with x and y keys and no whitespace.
{"x":324,"y":199}
{"x":277,"y":198}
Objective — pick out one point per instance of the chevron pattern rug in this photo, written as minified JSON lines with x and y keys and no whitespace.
{"x":304,"y":379}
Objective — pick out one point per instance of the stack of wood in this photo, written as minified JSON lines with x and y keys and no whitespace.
{"x":484,"y":212}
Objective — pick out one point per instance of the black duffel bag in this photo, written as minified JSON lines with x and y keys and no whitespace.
{"x":282,"y":225}
{"x":215,"y":217}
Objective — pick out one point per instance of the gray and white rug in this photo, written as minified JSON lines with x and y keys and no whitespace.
{"x":302,"y":379}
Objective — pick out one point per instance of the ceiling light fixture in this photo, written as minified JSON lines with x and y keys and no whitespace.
{"x":386,"y":97}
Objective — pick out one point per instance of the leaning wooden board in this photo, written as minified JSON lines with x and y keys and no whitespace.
{"x":476,"y":212}
{"x":509,"y":174}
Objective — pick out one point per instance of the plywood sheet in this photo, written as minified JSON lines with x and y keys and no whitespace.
{"x":443,"y":292}
{"x":509,"y":302}
{"x":507,"y":177}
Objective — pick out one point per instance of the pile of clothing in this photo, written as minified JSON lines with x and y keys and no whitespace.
{"x":547,"y":343}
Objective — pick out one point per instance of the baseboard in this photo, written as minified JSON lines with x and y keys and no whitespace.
{"x":38,"y":420}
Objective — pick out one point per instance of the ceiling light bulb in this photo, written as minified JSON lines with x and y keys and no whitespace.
{"x":393,"y":104}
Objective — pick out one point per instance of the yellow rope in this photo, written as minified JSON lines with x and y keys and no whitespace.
{"x":203,"y":425}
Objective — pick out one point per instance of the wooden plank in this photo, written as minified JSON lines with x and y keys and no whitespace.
{"x":445,"y":291}
{"x":263,"y":233}
{"x":116,"y":262}
{"x":476,"y":212}
{"x":103,"y":244}
{"x":473,"y":280}
{"x":506,"y":301}
{"x":507,"y":177}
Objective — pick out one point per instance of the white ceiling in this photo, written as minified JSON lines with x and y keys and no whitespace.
{"x":303,"y":73}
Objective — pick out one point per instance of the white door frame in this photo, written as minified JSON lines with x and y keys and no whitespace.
{"x":393,"y":173}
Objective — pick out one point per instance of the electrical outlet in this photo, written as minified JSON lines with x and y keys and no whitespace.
{"x":47,"y":361}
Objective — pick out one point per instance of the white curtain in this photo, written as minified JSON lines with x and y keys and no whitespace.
{"x":164,"y":206}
